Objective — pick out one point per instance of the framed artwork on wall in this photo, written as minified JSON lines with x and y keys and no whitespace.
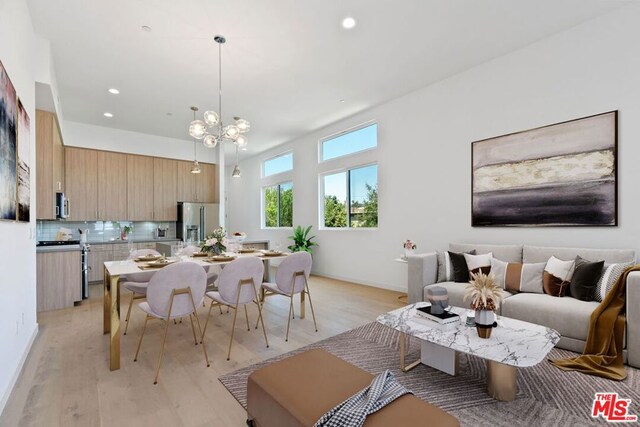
{"x":558,"y":175}
{"x":8,"y":171}
{"x":23,"y":151}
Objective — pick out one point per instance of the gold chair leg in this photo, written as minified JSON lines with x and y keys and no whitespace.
{"x":128,"y":313}
{"x":310,"y":304}
{"x":144,"y":328}
{"x":233,"y":328}
{"x":289,"y":319}
{"x":220,"y":307}
{"x":193,"y":329}
{"x":164,"y":339}
{"x":246,"y":316}
{"x":206,"y":323}
{"x":260,"y":318}
{"x":195,"y":314}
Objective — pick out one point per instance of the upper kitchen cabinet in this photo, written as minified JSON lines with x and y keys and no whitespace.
{"x":81,"y":183}
{"x":112,"y":186}
{"x":49,"y":164}
{"x":165,"y":190}
{"x":186,"y":182}
{"x":140,"y":188}
{"x":206,"y":184}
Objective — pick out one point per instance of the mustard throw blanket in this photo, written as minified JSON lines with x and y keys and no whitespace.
{"x":602,"y":354}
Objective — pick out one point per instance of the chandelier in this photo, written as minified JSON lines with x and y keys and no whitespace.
{"x":211,"y":130}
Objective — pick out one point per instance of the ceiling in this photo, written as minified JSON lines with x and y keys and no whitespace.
{"x":287,"y":64}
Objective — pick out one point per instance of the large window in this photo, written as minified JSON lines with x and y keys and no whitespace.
{"x":278,"y":205}
{"x":350,"y":142}
{"x":351,"y":198}
{"x":279,"y":164}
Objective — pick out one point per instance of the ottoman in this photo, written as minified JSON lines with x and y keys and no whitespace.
{"x":297,"y":391}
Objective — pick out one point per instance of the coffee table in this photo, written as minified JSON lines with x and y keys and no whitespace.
{"x":513,"y":344}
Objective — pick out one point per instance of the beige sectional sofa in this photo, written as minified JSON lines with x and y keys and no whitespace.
{"x":569,"y":316}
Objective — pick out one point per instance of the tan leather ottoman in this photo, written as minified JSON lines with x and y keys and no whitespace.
{"x":297,"y":391}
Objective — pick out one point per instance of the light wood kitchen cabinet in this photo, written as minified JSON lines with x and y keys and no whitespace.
{"x":49,"y":164}
{"x":58,"y":279}
{"x":206,"y":184}
{"x":98,"y":255}
{"x":140,"y":188}
{"x":165,"y":190}
{"x":112,"y":186}
{"x":81,"y":183}
{"x":186,"y":182}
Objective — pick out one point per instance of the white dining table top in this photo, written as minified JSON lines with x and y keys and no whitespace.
{"x":119,"y":268}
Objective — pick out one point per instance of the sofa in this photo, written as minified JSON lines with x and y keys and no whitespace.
{"x":567,"y":315}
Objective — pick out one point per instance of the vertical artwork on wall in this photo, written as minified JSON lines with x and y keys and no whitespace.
{"x":558,"y":175}
{"x":24,"y":189}
{"x":8,"y":181}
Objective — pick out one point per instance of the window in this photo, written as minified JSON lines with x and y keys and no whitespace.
{"x":351,"y":198}
{"x":349,"y":142}
{"x":282,"y":163}
{"x":278,"y":205}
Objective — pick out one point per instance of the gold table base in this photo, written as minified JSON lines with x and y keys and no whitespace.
{"x":502,"y":381}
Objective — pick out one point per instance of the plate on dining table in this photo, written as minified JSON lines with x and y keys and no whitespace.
{"x":199,"y":254}
{"x":146,"y":258}
{"x":222,"y":258}
{"x":160,"y":263}
{"x":247,"y":251}
{"x":272,"y":253}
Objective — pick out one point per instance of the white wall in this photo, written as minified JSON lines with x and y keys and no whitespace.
{"x":18,"y":325}
{"x":424,"y":152}
{"x":104,"y":138}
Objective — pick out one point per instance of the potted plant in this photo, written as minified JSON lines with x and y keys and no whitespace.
{"x":125,"y":231}
{"x":486,"y":296}
{"x":215,"y":242}
{"x":301,"y":240}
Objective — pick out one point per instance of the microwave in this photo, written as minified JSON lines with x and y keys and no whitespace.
{"x":62,"y":206}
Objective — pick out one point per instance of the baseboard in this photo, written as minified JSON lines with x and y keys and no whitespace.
{"x":18,"y":371}
{"x":357,"y":282}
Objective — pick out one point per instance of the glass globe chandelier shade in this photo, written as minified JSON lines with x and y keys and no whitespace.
{"x":198,"y":129}
{"x":210,"y":141}
{"x":211,"y":118}
{"x":242,"y":141}
{"x":231,"y":132}
{"x":243,"y":125}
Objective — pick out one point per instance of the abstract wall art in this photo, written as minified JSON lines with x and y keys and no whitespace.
{"x":559,"y":175}
{"x":24,"y":141}
{"x":8,"y":181}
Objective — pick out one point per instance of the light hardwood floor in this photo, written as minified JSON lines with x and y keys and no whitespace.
{"x":66,"y":380}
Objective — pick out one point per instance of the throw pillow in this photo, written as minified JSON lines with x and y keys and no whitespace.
{"x":460,"y":269}
{"x":610,"y":276}
{"x":477,"y":263}
{"x":445,"y":269}
{"x":516,"y":277}
{"x":557,"y":276}
{"x":584,"y":281}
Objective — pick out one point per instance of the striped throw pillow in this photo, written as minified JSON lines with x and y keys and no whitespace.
{"x":445,"y":267}
{"x":610,"y":276}
{"x":516,"y":277}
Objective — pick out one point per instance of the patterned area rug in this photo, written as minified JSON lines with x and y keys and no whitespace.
{"x":547,"y":396}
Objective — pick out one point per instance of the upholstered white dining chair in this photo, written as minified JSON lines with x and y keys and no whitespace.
{"x":212,"y":276}
{"x":137,"y":283}
{"x":174,"y":291}
{"x":238,"y":285}
{"x":291,"y":279}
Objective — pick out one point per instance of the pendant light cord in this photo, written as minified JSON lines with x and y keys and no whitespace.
{"x":220,"y":85}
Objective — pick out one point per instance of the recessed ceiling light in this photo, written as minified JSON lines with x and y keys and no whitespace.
{"x":108,"y":115}
{"x":114,"y":91}
{"x":348,"y":23}
{"x":146,"y":28}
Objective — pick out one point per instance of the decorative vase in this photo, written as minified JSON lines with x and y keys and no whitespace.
{"x":409,"y":252}
{"x":485,"y":322}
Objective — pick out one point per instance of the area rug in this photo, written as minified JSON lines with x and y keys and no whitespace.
{"x":547,"y":396}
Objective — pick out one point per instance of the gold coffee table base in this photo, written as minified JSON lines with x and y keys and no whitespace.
{"x":502,"y":381}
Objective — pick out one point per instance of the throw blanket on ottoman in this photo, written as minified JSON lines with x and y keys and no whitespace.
{"x":383,"y":390}
{"x":602,"y":354}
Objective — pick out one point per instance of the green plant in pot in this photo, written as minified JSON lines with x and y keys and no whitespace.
{"x":301,"y":240}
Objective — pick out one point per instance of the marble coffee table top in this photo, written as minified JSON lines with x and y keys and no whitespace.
{"x":513,"y":342}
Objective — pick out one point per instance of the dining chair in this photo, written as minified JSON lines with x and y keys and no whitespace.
{"x":174,"y":291}
{"x":237,"y":286}
{"x":291,"y":279}
{"x":212,"y":276}
{"x":137,"y":283}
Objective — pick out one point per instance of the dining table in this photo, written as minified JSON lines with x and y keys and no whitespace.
{"x":115,"y":270}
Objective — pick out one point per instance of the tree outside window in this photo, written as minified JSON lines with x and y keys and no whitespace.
{"x":278,"y":205}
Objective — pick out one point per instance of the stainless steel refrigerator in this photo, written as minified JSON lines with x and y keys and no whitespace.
{"x":196,"y":220}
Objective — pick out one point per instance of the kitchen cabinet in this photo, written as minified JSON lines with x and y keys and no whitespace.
{"x":112,"y":186}
{"x":186,"y":182}
{"x":58,"y":279}
{"x":81,"y":183}
{"x":206,"y":187}
{"x":98,"y":255}
{"x":140,"y":188}
{"x":165,"y":190}
{"x":49,"y":164}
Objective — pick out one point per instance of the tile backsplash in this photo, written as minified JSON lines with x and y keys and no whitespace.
{"x":104,"y":231}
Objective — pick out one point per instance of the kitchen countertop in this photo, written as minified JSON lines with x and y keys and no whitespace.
{"x":70,"y":248}
{"x":124,"y":242}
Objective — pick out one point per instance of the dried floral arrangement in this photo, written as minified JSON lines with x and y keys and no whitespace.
{"x":484,"y":291}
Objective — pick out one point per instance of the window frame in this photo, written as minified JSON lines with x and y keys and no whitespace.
{"x":282,"y":154}
{"x":352,"y":129}
{"x":321,"y":195}
{"x":263,"y":206}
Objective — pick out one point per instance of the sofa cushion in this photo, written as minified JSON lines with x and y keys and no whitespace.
{"x":543,"y":253}
{"x":610,"y":276}
{"x":569,"y":316}
{"x":516,"y":277}
{"x":476,"y":263}
{"x":509,"y":253}
{"x":585,"y":279}
{"x":445,"y":266}
{"x":557,"y":276}
{"x":456,"y":294}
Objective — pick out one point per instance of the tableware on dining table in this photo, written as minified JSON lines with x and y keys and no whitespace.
{"x":199,"y":254}
{"x":222,"y":258}
{"x":271,"y":253}
{"x":150,"y":257}
{"x":247,"y":250}
{"x":160,"y":263}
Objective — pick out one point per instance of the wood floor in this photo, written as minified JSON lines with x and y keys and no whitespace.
{"x":66,"y":380}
